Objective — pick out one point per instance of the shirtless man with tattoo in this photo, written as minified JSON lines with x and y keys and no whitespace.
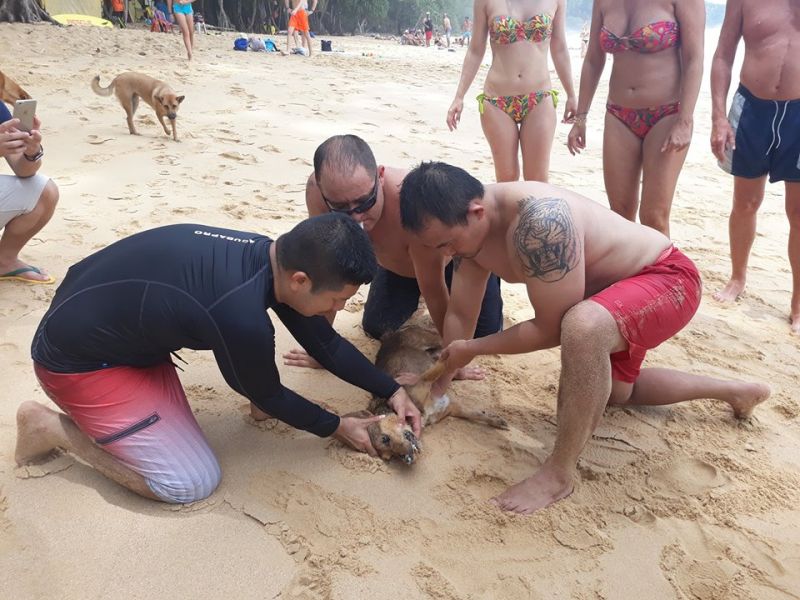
{"x":604,"y":288}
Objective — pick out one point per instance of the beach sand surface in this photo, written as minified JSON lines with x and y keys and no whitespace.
{"x":673,"y":502}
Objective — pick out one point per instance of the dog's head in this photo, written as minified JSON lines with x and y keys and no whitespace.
{"x":170,"y":103}
{"x":391,"y":436}
{"x":9,"y":90}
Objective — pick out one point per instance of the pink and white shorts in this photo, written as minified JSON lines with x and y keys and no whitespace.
{"x":141,"y":417}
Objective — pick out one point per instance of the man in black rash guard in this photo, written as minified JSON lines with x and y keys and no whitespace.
{"x":102,"y":350}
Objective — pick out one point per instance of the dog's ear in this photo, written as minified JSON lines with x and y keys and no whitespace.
{"x":158,"y":97}
{"x":180,"y":99}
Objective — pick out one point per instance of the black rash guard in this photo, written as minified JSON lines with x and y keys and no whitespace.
{"x":193,"y":286}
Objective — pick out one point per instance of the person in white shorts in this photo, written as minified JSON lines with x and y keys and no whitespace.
{"x":27,"y":198}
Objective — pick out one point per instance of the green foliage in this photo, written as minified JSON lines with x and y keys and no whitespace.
{"x":379,"y":16}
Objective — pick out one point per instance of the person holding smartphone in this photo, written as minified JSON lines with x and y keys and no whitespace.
{"x":27,"y":198}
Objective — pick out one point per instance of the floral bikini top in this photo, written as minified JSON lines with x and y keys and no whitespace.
{"x":507,"y":30}
{"x":653,"y":37}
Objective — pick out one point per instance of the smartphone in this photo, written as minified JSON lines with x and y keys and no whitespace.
{"x":25,"y":110}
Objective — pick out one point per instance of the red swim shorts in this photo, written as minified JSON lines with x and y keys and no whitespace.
{"x":651,"y":307}
{"x":141,"y":417}
{"x":299,"y":20}
{"x":428,"y":35}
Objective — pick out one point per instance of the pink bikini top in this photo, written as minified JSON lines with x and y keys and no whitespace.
{"x":653,"y":37}
{"x":507,"y":30}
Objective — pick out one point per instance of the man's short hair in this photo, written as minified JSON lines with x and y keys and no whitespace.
{"x":344,"y":153}
{"x":436,"y":190}
{"x":331,"y":249}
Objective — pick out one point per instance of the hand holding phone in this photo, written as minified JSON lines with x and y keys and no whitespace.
{"x":25,"y":111}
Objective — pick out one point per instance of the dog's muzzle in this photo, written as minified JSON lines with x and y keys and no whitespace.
{"x":415,"y":448}
{"x":172,"y":116}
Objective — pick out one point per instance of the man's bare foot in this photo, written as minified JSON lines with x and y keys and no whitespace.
{"x":36,"y":427}
{"x":258,"y":414}
{"x":732,"y":290}
{"x":794,"y":319}
{"x":748,"y":396}
{"x":300,"y":358}
{"x":471,"y":373}
{"x":543,"y":488}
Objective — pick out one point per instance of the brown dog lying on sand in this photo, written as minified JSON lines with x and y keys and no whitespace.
{"x":130,"y":86}
{"x":415,"y":350}
{"x":9,"y":90}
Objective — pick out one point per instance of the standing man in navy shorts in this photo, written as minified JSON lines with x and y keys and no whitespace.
{"x":103,"y":350}
{"x":761,"y":135}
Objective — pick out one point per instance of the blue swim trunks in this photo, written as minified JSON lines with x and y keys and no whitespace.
{"x":184,"y":9}
{"x":767,"y":138}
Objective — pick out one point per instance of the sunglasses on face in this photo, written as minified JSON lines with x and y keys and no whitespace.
{"x":361,"y":206}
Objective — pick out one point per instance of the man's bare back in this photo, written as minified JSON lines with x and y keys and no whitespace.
{"x":611,"y":247}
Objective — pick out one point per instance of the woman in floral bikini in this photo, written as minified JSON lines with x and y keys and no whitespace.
{"x":517,"y":106}
{"x":655,"y":79}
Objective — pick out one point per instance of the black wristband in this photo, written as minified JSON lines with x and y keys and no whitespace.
{"x":36,"y":156}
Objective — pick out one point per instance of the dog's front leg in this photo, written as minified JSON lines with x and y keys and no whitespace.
{"x":163,"y":125}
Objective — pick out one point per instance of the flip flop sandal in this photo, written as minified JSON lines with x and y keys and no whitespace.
{"x":16,"y":275}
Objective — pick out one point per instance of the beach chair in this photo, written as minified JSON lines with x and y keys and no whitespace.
{"x":160,"y":22}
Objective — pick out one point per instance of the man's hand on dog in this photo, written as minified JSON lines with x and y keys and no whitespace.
{"x":456,"y":356}
{"x":353,"y":432}
{"x":406,"y":410}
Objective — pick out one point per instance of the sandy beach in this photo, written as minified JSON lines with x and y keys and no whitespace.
{"x":676,"y":502}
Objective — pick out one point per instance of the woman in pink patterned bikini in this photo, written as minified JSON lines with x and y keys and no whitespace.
{"x":655,"y":79}
{"x":518,"y":103}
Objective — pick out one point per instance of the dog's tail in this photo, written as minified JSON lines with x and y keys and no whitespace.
{"x":102,"y":91}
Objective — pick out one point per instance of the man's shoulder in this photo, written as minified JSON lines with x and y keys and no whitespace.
{"x":394,"y":176}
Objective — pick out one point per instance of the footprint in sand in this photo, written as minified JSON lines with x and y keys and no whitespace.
{"x":8,"y":347}
{"x":97,"y":140}
{"x":57,"y":464}
{"x":687,"y":477}
{"x":166,"y":159}
{"x":301,"y":160}
{"x":691,"y":578}
{"x":237,"y":212}
{"x":433,"y":584}
{"x":247,"y":159}
{"x":577,"y":536}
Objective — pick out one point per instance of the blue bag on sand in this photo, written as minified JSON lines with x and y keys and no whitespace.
{"x":270,"y":46}
{"x":240,"y":44}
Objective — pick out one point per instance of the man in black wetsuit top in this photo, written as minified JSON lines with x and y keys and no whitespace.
{"x":102,"y":350}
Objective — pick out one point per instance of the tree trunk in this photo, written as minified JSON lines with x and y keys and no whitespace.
{"x":222,"y":18}
{"x":23,"y":11}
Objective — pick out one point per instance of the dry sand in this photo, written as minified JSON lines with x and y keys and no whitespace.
{"x":680,"y":502}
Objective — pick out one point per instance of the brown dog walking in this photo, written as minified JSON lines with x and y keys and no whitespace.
{"x":130,"y":86}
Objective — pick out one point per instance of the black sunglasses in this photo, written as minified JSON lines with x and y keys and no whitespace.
{"x":361,"y":206}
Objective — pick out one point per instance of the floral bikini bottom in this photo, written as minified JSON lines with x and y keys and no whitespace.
{"x":641,"y":120}
{"x":517,"y":107}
